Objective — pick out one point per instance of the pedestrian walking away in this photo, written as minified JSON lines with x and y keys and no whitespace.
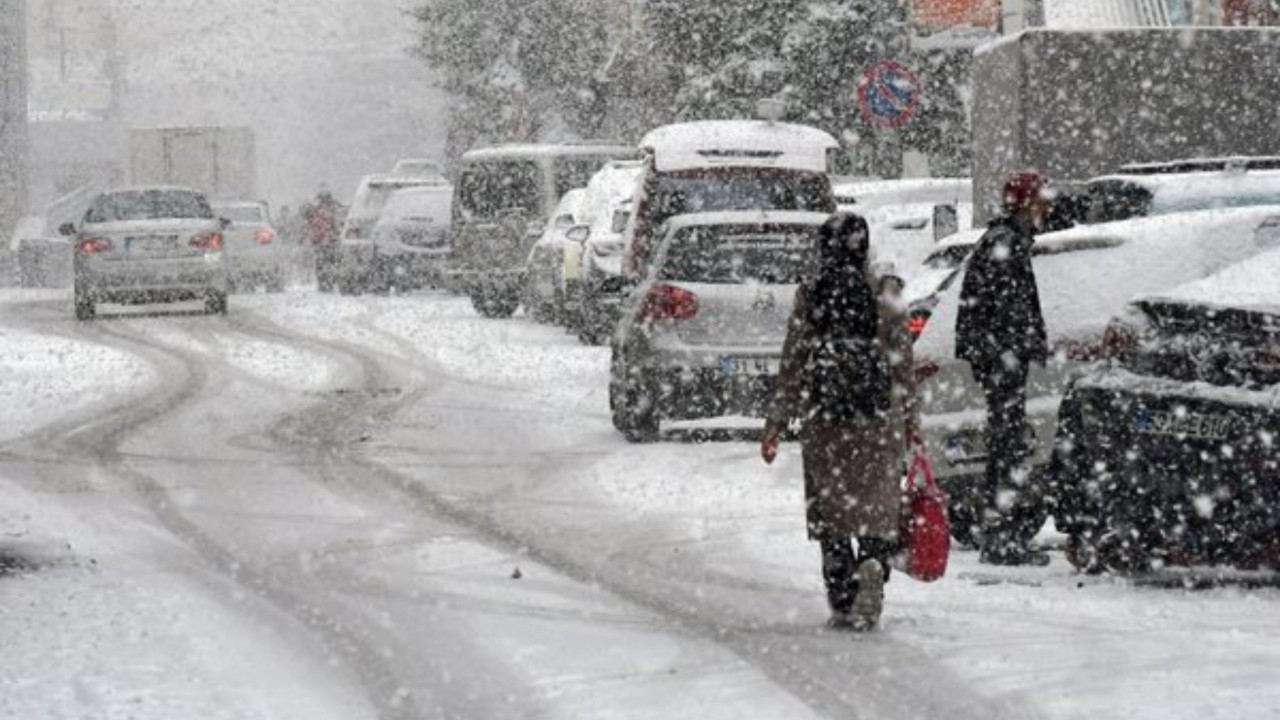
{"x":847,"y":376}
{"x":1000,"y":332}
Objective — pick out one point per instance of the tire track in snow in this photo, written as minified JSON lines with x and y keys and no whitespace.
{"x":836,"y":675}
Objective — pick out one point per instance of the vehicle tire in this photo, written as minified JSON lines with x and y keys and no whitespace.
{"x":85,"y":308}
{"x":968,"y":507}
{"x":634,"y":399}
{"x":215,"y":303}
{"x":275,"y":282}
{"x":495,"y":303}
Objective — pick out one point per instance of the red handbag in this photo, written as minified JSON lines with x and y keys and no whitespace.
{"x":926,"y":529}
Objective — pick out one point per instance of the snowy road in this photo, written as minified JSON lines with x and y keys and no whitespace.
{"x":314,"y":509}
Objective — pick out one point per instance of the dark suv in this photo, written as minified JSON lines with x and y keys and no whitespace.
{"x":1169,"y":452}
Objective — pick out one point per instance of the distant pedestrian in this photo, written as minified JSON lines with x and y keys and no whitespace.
{"x":847,"y":376}
{"x":1000,"y":331}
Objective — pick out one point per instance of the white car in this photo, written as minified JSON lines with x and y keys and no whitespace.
{"x":357,"y":271}
{"x":595,"y":258}
{"x":411,"y":238}
{"x":901,"y":215}
{"x":544,"y":271}
{"x":1086,"y":275}
{"x":254,"y":255}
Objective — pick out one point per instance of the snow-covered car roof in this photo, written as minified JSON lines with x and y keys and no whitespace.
{"x":1174,"y":192}
{"x":741,"y":143}
{"x":1252,"y":284}
{"x":747,"y":217}
{"x":546,"y":150}
{"x":1086,"y":275}
{"x":875,"y":193}
{"x":381,"y":179}
{"x":612,"y":185}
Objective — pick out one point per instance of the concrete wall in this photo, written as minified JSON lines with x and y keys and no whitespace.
{"x":1079,"y":104}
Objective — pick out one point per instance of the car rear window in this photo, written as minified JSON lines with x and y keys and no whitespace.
{"x":775,"y":254}
{"x":241,"y":213}
{"x":740,"y":189}
{"x":148,"y":205}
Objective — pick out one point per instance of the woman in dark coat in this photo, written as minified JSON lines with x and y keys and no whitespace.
{"x":847,"y":374}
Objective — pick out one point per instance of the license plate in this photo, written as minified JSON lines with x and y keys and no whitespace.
{"x":751,"y":367}
{"x":1185,"y":424}
{"x":148,"y":244}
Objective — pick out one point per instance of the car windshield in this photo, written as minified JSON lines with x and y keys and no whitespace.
{"x":148,"y":205}
{"x":774,"y":254}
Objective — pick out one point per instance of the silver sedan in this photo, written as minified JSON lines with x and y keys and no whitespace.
{"x":702,"y":334}
{"x":144,"y":245}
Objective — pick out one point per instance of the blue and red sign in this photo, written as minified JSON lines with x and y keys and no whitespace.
{"x":889,"y":94}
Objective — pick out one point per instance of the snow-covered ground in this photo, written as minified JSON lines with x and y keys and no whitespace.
{"x":342,"y":490}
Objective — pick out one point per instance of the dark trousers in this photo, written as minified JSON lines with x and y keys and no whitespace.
{"x":840,"y":567}
{"x":1005,"y":387}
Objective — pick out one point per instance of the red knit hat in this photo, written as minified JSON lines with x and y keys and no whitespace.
{"x":1021,"y":188}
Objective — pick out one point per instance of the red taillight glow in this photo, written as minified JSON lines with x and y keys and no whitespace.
{"x":668,"y":302}
{"x":916,"y":324}
{"x":93,"y":246}
{"x":210,"y":242}
{"x":1118,"y":339}
{"x":265,"y":236}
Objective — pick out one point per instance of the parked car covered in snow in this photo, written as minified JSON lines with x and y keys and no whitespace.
{"x":502,"y":202}
{"x":907,"y":218}
{"x":1168,"y":451}
{"x":544,"y":270}
{"x":1086,"y":276}
{"x":411,"y":238}
{"x":254,"y":256}
{"x":148,"y":245}
{"x":1143,"y":194}
{"x":701,"y":335}
{"x":358,"y":267}
{"x":594,"y":261}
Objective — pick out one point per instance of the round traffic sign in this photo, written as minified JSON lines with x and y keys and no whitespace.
{"x":889,"y":94}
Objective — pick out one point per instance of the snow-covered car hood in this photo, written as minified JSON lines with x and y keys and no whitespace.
{"x":1252,"y":284}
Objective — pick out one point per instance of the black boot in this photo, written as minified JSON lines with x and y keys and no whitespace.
{"x":840,"y":572}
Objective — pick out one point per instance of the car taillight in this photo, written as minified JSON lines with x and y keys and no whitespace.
{"x":210,"y":242}
{"x":1118,"y":339}
{"x":916,"y":323}
{"x":93,"y":246}
{"x":668,"y":302}
{"x":265,"y":236}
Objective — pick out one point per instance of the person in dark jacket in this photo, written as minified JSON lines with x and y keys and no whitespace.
{"x":847,"y":374}
{"x":1000,"y":331}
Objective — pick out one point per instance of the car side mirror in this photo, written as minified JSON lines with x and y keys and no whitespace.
{"x":579,"y":234}
{"x":67,"y":229}
{"x":946,"y":221}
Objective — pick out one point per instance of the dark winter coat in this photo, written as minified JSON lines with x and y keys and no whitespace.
{"x":852,"y":467}
{"x":999,"y":301}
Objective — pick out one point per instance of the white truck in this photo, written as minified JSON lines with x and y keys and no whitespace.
{"x":220,"y":162}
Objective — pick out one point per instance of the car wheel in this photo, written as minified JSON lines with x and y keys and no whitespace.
{"x":215,"y":303}
{"x":495,"y":303}
{"x":635,"y":406}
{"x":84,"y":306}
{"x":275,"y":283}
